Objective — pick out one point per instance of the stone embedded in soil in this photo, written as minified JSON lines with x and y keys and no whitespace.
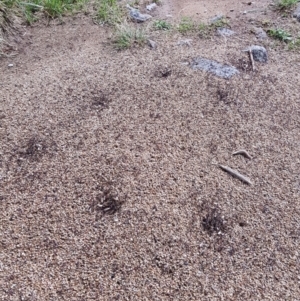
{"x":186,"y":42}
{"x":225,"y":32}
{"x":259,"y":53}
{"x":224,"y":71}
{"x":152,"y":44}
{"x":296,"y":13}
{"x":216,"y":19}
{"x":260,"y":33}
{"x":137,"y":16}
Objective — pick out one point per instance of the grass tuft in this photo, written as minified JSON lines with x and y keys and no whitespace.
{"x":109,"y":12}
{"x":223,"y":22}
{"x":30,"y":8}
{"x":280,"y":34}
{"x":162,"y":25}
{"x":206,"y":30}
{"x":128,"y":36}
{"x":295,"y":44}
{"x":186,"y":24}
{"x":286,"y":4}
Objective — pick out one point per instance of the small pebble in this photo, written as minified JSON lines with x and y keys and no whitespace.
{"x":152,"y":44}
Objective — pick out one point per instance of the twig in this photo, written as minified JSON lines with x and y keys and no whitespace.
{"x":251,"y":58}
{"x":243,"y":153}
{"x":236,"y":174}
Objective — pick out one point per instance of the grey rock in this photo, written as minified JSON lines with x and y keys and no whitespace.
{"x":186,"y":42}
{"x":260,"y":33}
{"x":216,"y":19}
{"x":137,"y":16}
{"x":151,"y":6}
{"x":224,"y":71}
{"x":259,"y":53}
{"x":225,"y":32}
{"x":152,"y":44}
{"x":296,"y":13}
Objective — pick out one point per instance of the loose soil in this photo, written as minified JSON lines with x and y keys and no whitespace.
{"x":205,"y":10}
{"x":109,"y":184}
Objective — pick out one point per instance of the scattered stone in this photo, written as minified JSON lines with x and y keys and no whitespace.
{"x":186,"y":42}
{"x":152,"y":44}
{"x":260,"y":33}
{"x":136,"y":15}
{"x":225,"y":32}
{"x":216,"y":19}
{"x":259,"y":53}
{"x":151,"y":6}
{"x":224,"y":71}
{"x":10,"y":65}
{"x":296,"y":13}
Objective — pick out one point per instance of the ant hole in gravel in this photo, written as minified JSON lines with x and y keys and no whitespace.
{"x":107,"y":203}
{"x":100,"y":100}
{"x":163,"y":72}
{"x":34,"y":148}
{"x":213,"y":222}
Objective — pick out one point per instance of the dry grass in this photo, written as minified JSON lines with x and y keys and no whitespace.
{"x":109,"y":188}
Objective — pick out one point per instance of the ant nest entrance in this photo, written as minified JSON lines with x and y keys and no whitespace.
{"x":108,"y":203}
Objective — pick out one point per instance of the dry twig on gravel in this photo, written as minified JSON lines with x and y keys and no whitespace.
{"x":251,"y":59}
{"x":236,"y":174}
{"x":243,"y":153}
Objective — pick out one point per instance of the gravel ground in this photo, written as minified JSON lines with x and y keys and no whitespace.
{"x":109,"y":184}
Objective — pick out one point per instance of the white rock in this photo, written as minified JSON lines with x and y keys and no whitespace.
{"x":151,"y":6}
{"x":152,"y":44}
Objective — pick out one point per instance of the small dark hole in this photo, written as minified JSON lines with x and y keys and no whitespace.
{"x":108,"y":204}
{"x":213,"y":222}
{"x":166,"y":73}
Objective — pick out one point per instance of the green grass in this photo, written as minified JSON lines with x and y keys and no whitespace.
{"x":295,"y":44}
{"x":220,"y":23}
{"x":109,"y":12}
{"x":31,"y":10}
{"x":280,"y":34}
{"x":128,"y":36}
{"x":186,"y":24}
{"x":206,"y":30}
{"x":49,"y":8}
{"x":285,"y":4}
{"x":162,"y":25}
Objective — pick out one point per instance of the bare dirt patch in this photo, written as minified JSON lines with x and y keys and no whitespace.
{"x":204,"y":10}
{"x":117,"y":195}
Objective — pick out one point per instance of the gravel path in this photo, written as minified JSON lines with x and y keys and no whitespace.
{"x":109,"y":188}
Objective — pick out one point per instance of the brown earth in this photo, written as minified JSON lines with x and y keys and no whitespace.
{"x":205,"y":10}
{"x":109,"y":188}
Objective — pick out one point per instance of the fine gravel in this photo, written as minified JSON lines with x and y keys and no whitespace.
{"x":109,"y":181}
